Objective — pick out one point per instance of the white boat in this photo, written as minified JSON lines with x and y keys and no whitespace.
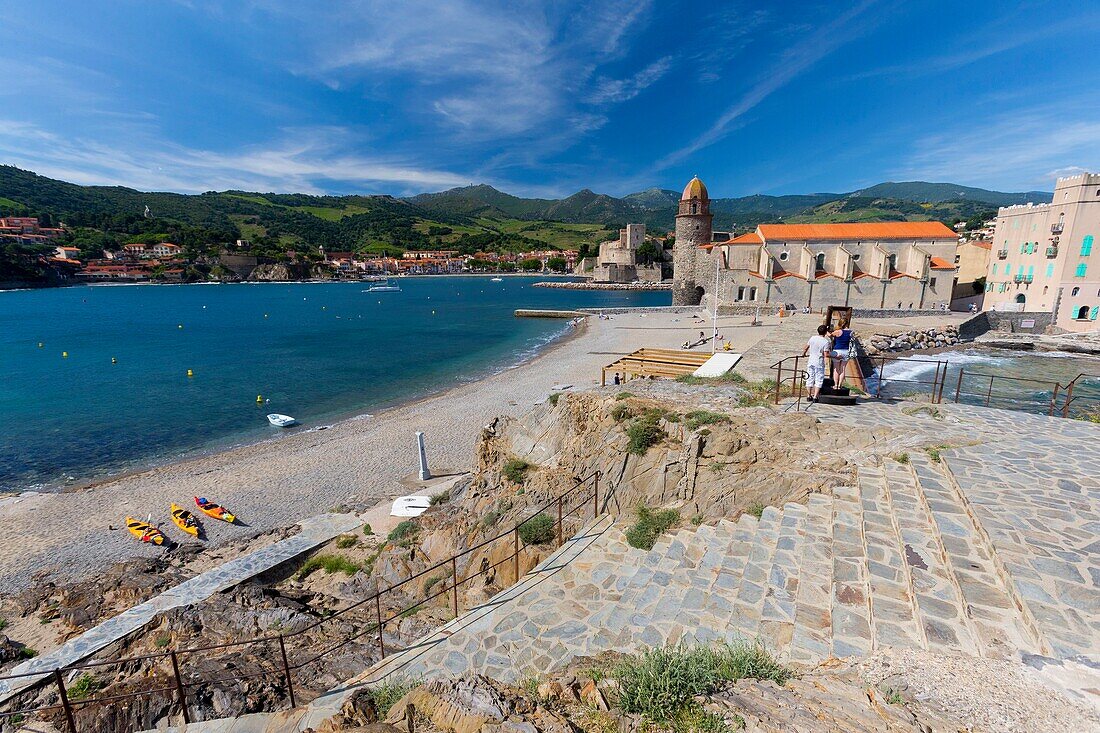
{"x":496,"y":279}
{"x":383,"y":287}
{"x":410,"y":506}
{"x":281,"y":421}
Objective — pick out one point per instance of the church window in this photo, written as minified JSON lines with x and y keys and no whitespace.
{"x":783,"y":256}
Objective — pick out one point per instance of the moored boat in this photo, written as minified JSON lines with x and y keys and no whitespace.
{"x":281,"y":421}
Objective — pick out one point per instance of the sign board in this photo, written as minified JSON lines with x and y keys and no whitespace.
{"x":1029,"y":323}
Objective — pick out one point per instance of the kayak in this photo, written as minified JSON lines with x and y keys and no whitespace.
{"x":144,"y":531}
{"x":184,"y":519}
{"x":211,"y":509}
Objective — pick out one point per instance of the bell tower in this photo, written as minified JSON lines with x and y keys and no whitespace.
{"x":694,"y":227}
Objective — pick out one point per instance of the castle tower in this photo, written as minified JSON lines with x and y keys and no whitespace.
{"x":694,"y":226}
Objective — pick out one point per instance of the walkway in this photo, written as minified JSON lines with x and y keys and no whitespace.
{"x":314,"y":531}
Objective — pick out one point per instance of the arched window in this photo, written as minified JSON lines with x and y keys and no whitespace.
{"x":1074,"y":292}
{"x":1083,"y":313}
{"x":694,"y":208}
{"x":820,"y":263}
{"x":1021,"y":298}
{"x":893,"y":263}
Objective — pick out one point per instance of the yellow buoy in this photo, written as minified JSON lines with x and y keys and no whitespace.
{"x":65,"y":354}
{"x":259,"y":399}
{"x":190,"y":373}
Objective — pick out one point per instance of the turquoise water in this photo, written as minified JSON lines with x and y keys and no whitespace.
{"x":316,"y":351}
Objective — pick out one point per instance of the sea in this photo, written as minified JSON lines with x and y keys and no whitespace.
{"x":100,"y":380}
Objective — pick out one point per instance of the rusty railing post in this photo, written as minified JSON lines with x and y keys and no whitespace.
{"x":959,"y":386}
{"x":179,"y":686}
{"x":778,"y":379}
{"x":559,"y":521}
{"x":989,"y":392}
{"x":286,"y":672}
{"x":596,"y":495}
{"x":1054,"y":398}
{"x":454,"y":583}
{"x":515,"y":552}
{"x":378,"y":617}
{"x":878,"y":384}
{"x":64,"y":700}
{"x":1069,"y":398}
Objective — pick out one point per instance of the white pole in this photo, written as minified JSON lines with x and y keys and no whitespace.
{"x":714,"y":320}
{"x":425,"y":474}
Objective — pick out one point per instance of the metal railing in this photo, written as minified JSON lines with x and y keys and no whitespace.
{"x":797,"y":375}
{"x":1059,"y":402}
{"x":583,"y":494}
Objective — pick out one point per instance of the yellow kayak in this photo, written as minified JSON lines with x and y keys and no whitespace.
{"x":211,"y":509}
{"x":144,"y":531}
{"x":185,"y":520}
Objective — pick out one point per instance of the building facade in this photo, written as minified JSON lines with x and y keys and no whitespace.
{"x":972,"y":260}
{"x":1043,"y":256}
{"x":905,"y":265}
{"x":617,"y":261}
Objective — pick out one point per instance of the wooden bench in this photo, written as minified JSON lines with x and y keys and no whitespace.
{"x":664,"y":363}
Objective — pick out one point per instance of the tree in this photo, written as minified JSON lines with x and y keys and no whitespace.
{"x":558,"y":264}
{"x":530,"y":264}
{"x":647,"y":253}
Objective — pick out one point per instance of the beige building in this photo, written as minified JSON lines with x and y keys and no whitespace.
{"x":617,"y":261}
{"x":1043,"y":258}
{"x":972,"y":261}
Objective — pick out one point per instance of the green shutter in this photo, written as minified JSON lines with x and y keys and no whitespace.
{"x":1092,"y":313}
{"x":1080,"y":270}
{"x":1030,"y":271}
{"x":1050,"y":269}
{"x":1086,"y":245}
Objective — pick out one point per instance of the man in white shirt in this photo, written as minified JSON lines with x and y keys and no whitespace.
{"x":815,"y":369}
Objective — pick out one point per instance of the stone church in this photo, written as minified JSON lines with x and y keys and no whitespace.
{"x":874,"y":265}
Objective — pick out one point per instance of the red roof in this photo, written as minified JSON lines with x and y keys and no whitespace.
{"x":983,"y":244}
{"x":858,"y":231}
{"x":939,"y":263}
{"x":747,"y":238}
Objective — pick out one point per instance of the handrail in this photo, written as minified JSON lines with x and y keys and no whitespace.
{"x":179,"y":685}
{"x":937,"y":381}
{"x":1047,"y":385}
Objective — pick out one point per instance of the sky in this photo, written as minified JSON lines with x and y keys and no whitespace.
{"x":546,"y":98}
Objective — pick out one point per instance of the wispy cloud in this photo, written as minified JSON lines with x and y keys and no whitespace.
{"x":303,"y":160}
{"x":805,"y":52}
{"x":620,"y":90}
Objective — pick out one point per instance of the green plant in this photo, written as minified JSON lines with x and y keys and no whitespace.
{"x":643,"y":433}
{"x":389,"y":692}
{"x":892,"y":696}
{"x":698,"y":519}
{"x":84,"y":686}
{"x":27,"y":653}
{"x":368,"y":530}
{"x":162,"y":641}
{"x":620,"y":413}
{"x":716,"y":466}
{"x":762,"y":393}
{"x":515,"y":470}
{"x":411,"y":611}
{"x":490,"y":519}
{"x":439,"y":498}
{"x":756,"y":509}
{"x":727,"y":378}
{"x":3,"y":624}
{"x":649,"y":525}
{"x":432,"y":582}
{"x":692,"y":718}
{"x":521,"y":491}
{"x":934,"y":452}
{"x":330,"y":564}
{"x":403,"y":533}
{"x":698,"y":418}
{"x":902,"y":458}
{"x":624,"y":395}
{"x":537,"y":530}
{"x":661,"y":683}
{"x":530,"y":685}
{"x":553,"y":399}
{"x":345,"y":541}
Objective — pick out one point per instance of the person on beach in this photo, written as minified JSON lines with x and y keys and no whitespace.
{"x":815,"y":370}
{"x":617,"y":379}
{"x":841,"y":351}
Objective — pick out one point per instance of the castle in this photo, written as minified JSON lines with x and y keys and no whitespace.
{"x":617,"y":261}
{"x":875,"y":265}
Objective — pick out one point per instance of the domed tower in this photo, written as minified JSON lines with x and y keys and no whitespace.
{"x":694,"y":226}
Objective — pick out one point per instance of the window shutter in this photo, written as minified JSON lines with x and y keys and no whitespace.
{"x":1086,"y":245}
{"x":1092,"y":313}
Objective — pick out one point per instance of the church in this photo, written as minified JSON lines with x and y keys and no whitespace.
{"x":869,"y":265}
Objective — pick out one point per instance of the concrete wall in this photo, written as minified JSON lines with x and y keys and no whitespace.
{"x":987,"y":321}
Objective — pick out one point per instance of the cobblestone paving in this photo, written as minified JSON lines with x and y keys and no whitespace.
{"x":314,"y":531}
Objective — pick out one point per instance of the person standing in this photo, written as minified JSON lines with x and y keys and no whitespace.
{"x":841,"y":352}
{"x":815,"y":368}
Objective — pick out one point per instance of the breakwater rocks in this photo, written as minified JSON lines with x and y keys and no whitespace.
{"x":930,"y":338}
{"x":604,"y":286}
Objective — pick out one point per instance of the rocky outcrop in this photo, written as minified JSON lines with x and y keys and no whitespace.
{"x":285,"y":271}
{"x":932,"y":338}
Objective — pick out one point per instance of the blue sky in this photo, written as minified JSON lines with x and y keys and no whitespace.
{"x":545,"y":98}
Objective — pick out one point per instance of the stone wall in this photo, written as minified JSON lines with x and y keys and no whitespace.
{"x":913,"y":340}
{"x":1005,"y":322}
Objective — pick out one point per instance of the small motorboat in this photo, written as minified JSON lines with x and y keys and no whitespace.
{"x":184,"y":519}
{"x":211,"y":509}
{"x":145,"y":531}
{"x":496,"y":279}
{"x":281,"y":421}
{"x":385,"y":287}
{"x":410,"y":506}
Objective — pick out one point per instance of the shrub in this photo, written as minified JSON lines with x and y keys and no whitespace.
{"x":727,"y":378}
{"x":330,"y":564}
{"x":403,"y":532}
{"x":84,"y":686}
{"x":698,"y":418}
{"x":3,"y":624}
{"x":515,"y":470}
{"x":345,"y":541}
{"x":934,"y":452}
{"x":661,"y":683}
{"x":650,"y":525}
{"x":624,"y":395}
{"x":902,"y":458}
{"x":162,"y":641}
{"x":432,"y":582}
{"x":490,"y":519}
{"x":553,"y":399}
{"x":537,"y":530}
{"x":368,"y":530}
{"x":643,"y":433}
{"x":27,"y":653}
{"x":756,"y":509}
{"x":439,"y":498}
{"x":389,"y":692}
{"x":620,"y":413}
{"x":698,"y":519}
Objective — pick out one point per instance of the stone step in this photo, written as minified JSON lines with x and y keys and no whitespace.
{"x":749,"y":598}
{"x":777,"y":611}
{"x":992,"y":610}
{"x":813,"y":625}
{"x":893,"y":607}
{"x":849,"y":605}
{"x":940,"y":611}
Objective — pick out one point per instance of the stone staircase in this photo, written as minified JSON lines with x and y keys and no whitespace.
{"x":897,"y":560}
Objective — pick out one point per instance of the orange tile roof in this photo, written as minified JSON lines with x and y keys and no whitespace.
{"x":939,"y":263}
{"x":747,"y":238}
{"x":983,"y":244}
{"x":858,"y":231}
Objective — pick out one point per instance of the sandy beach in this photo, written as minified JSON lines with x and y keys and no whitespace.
{"x":361,"y":460}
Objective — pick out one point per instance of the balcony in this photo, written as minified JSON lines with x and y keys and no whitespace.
{"x":1052,"y":251}
{"x":1002,"y":254}
{"x":1057,"y":228}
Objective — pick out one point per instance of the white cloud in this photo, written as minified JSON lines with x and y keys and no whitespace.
{"x":302,"y":160}
{"x":620,"y":90}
